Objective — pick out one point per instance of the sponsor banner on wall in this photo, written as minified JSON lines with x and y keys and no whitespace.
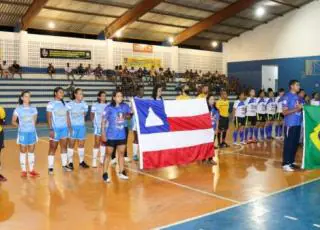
{"x":138,"y":62}
{"x":142,"y":48}
{"x":65,"y":54}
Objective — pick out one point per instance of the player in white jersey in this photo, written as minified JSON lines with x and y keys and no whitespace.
{"x":96,"y":114}
{"x":279,"y":114}
{"x":261,"y":114}
{"x":27,"y":135}
{"x":239,"y":118}
{"x":251,"y":117}
{"x":271,"y":113}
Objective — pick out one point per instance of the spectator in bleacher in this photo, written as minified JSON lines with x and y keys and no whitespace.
{"x":140,"y":73}
{"x":69,"y":71}
{"x":80,"y":71}
{"x":184,"y":93}
{"x":70,"y":89}
{"x":168,"y":75}
{"x":131,"y":71}
{"x":89,"y":70}
{"x":16,"y":69}
{"x":153,"y":74}
{"x":5,"y":70}
{"x":98,"y":72}
{"x":145,"y":71}
{"x":51,"y":70}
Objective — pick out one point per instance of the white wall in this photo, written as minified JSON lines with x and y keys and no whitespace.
{"x":9,"y":47}
{"x":294,"y":35}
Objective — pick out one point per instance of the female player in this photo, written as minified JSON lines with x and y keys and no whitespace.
{"x":2,"y":117}
{"x":239,"y":118}
{"x":157,"y":92}
{"x":251,"y":117}
{"x":261,"y":115}
{"x":59,"y":124}
{"x":271,"y":113}
{"x":97,"y":110}
{"x":279,"y":114}
{"x":115,"y":115}
{"x":77,"y":109}
{"x":27,"y":135}
{"x":214,"y":118}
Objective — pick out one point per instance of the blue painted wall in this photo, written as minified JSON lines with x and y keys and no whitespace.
{"x":249,"y":72}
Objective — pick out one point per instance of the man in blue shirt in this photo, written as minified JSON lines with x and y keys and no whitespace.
{"x":292,"y":111}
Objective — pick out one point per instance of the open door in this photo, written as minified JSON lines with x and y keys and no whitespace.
{"x":270,"y":77}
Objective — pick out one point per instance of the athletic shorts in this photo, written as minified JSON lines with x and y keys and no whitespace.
{"x":271,"y":117}
{"x":251,"y":120}
{"x":223,"y":123}
{"x":97,"y":131}
{"x":60,"y":133}
{"x":261,"y":117}
{"x":279,"y":117}
{"x":78,"y":132}
{"x":1,"y":140}
{"x":239,"y":121}
{"x":27,"y":138}
{"x":115,"y":143}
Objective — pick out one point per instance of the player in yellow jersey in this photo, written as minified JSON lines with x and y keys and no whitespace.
{"x":204,"y":92}
{"x":223,"y":107}
{"x":184,"y":93}
{"x":2,"y":117}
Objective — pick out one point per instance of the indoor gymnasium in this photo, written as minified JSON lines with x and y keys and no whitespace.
{"x":159,"y":114}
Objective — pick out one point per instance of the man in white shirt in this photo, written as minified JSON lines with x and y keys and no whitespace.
{"x":5,"y":69}
{"x":69,"y":71}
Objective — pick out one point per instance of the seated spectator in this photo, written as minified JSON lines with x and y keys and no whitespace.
{"x":70,"y":89}
{"x":69,"y":71}
{"x":16,"y":69}
{"x":98,"y":72}
{"x":80,"y":71}
{"x":5,"y":70}
{"x":132,"y":71}
{"x":140,"y":73}
{"x":168,"y":75}
{"x":89,"y":70}
{"x":51,"y":70}
{"x":145,"y":71}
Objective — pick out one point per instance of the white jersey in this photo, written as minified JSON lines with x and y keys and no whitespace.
{"x":261,"y":105}
{"x":314,"y":102}
{"x":271,"y":106}
{"x":279,"y":104}
{"x":251,"y":104}
{"x":240,"y":108}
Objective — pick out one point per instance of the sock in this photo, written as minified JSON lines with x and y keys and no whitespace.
{"x":270,"y":130}
{"x":23,"y":162}
{"x":280,"y":130}
{"x":266,"y":130}
{"x":64,"y":159}
{"x":219,"y":138}
{"x":224,"y":135}
{"x":102,"y":153}
{"x":241,"y":136}
{"x":50,"y":161}
{"x":262,"y":133}
{"x":81,"y":154}
{"x":31,"y":159}
{"x":277,"y":131}
{"x":135,"y":149}
{"x":251,"y":132}
{"x":95,"y":155}
{"x":70,"y":155}
{"x":256,"y":133}
{"x":235,"y":136}
{"x":247,"y":133}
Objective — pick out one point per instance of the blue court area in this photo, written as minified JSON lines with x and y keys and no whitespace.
{"x":294,"y":209}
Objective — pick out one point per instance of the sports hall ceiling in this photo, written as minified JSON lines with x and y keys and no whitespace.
{"x":166,"y":19}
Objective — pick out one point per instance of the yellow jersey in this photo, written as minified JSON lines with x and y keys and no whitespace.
{"x":2,"y":116}
{"x":202,"y":95}
{"x":223,"y":107}
{"x":183,"y":97}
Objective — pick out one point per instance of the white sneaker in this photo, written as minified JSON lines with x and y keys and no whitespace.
{"x":287,"y":168}
{"x":127,"y":159}
{"x":243,"y":143}
{"x":123,"y":176}
{"x":94,"y":164}
{"x":236,"y":143}
{"x":114,"y":161}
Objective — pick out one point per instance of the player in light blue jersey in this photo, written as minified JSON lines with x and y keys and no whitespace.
{"x":77,"y":109}
{"x":59,"y":124}
{"x":97,"y":110}
{"x":27,"y":135}
{"x":115,"y":116}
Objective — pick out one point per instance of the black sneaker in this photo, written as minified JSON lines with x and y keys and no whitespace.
{"x":70,"y":166}
{"x":105,"y":177}
{"x":225,"y":145}
{"x":50,"y":171}
{"x":294,"y":166}
{"x":66,"y":168}
{"x":221,"y":146}
{"x":84,"y":165}
{"x":2,"y":178}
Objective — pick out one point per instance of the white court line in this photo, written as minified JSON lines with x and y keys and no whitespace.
{"x":237,"y":205}
{"x":263,"y":158}
{"x":290,"y":217}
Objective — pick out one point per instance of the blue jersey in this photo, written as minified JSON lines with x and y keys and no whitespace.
{"x":290,"y":101}
{"x":115,"y":118}
{"x":77,"y":112}
{"x":98,"y":109}
{"x":59,"y":114}
{"x":214,"y":117}
{"x":26,"y":118}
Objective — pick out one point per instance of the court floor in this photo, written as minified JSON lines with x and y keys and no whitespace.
{"x":246,"y":190}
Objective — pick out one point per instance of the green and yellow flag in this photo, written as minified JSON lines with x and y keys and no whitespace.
{"x":311,"y":150}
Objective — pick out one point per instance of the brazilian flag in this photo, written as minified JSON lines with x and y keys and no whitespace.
{"x":311,"y":151}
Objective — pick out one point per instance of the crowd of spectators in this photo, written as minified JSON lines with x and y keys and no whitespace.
{"x":7,"y":71}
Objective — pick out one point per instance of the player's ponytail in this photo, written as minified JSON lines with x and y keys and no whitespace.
{"x":20,"y":101}
{"x":55,"y":91}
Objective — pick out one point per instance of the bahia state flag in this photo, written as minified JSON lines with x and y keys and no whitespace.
{"x":311,"y":151}
{"x":173,"y":132}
